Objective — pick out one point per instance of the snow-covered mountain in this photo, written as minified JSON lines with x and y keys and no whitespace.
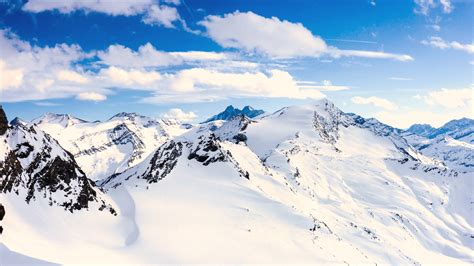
{"x":423,"y":130}
{"x":104,"y":148}
{"x":231,"y":112}
{"x":305,"y":184}
{"x":34,"y":166}
{"x":453,"y":143}
{"x":460,"y":129}
{"x":18,"y":121}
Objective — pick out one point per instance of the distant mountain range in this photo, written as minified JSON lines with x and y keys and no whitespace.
{"x":304,"y":184}
{"x":231,"y":112}
{"x":458,"y":128}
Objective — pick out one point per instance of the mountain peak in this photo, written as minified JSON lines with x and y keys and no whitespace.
{"x":130,"y":115}
{"x":64,"y":120}
{"x":3,"y":121}
{"x":421,"y":129}
{"x":18,"y":121}
{"x":230,"y":112}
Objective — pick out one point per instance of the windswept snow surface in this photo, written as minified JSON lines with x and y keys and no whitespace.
{"x":309,"y":184}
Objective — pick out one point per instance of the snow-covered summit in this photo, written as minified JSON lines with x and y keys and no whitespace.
{"x":64,"y":120}
{"x":18,"y":121}
{"x":104,"y":148}
{"x":231,"y":112}
{"x":34,"y":166}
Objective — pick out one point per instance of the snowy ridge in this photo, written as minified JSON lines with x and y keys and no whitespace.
{"x":34,"y":166}
{"x":305,"y":184}
{"x":104,"y":148}
{"x":450,"y":144}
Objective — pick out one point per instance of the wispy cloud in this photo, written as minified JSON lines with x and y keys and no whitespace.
{"x":424,"y":6}
{"x":46,"y":104}
{"x":399,"y":78}
{"x":375,"y":101}
{"x":438,"y":42}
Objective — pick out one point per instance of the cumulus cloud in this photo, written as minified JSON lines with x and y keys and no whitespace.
{"x":451,"y":98}
{"x":161,"y":15}
{"x":407,"y":117}
{"x":31,"y":72}
{"x":72,"y":76}
{"x":435,"y":108}
{"x":375,"y":101}
{"x":10,"y":78}
{"x":91,"y":96}
{"x":178,"y":114}
{"x":276,"y":38}
{"x":199,"y":84}
{"x":130,"y":77}
{"x":148,"y":56}
{"x":153,"y":12}
{"x":438,"y":42}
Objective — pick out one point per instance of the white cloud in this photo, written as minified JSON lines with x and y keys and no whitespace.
{"x":400,"y":78}
{"x":91,"y":96}
{"x":370,"y":54}
{"x":31,"y":72}
{"x":153,"y":13}
{"x":325,"y":85}
{"x":10,"y":78}
{"x":424,"y":6}
{"x":435,"y":108}
{"x":132,"y":77}
{"x":72,"y":76}
{"x":406,"y":118}
{"x":454,"y":98}
{"x":178,"y":114}
{"x":447,"y":6}
{"x":115,"y":8}
{"x":44,"y":84}
{"x":147,"y":56}
{"x":161,"y":15}
{"x":438,"y":42}
{"x":276,"y":38}
{"x":47,"y":104}
{"x":376,"y":101}
{"x":270,"y":36}
{"x":199,"y":84}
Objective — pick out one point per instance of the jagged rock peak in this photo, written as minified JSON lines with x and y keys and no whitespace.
{"x":18,"y":122}
{"x":230,"y":112}
{"x":3,"y":121}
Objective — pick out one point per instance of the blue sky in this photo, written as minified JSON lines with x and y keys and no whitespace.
{"x":402,"y":62}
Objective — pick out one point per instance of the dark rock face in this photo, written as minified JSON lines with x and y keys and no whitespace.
{"x":208,"y":150}
{"x":2,"y":214}
{"x":3,"y":121}
{"x":161,"y":164}
{"x":240,"y":138}
{"x":37,"y":167}
{"x":163,"y":161}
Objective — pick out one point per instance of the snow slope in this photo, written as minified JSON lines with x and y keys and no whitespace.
{"x":104,"y":148}
{"x":307,"y":184}
{"x":451,"y":144}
